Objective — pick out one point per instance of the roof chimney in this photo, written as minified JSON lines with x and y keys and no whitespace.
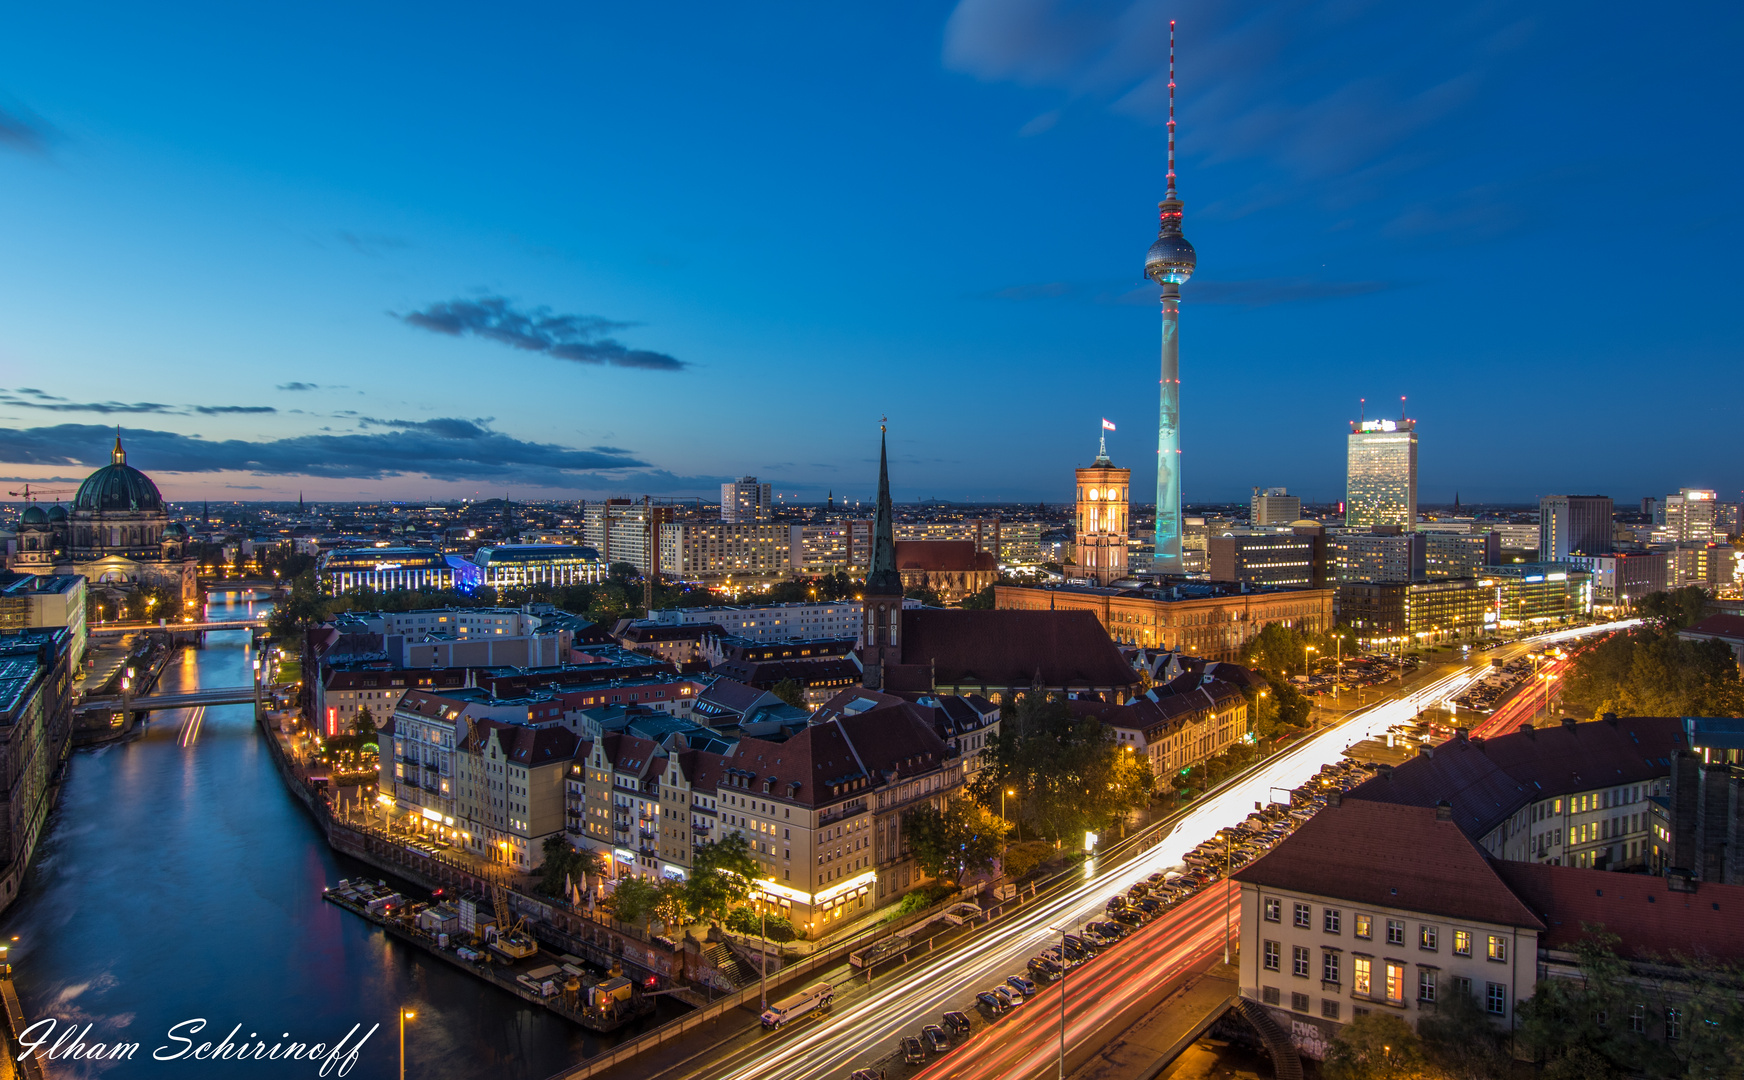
{"x":1444,"y":811}
{"x":1334,"y":798}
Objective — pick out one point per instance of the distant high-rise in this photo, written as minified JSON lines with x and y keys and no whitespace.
{"x":1170,"y":263}
{"x":1573,"y":524}
{"x":1103,"y":522}
{"x":1273,"y":506}
{"x":1695,"y":515}
{"x":1381,"y":474}
{"x":745,"y":501}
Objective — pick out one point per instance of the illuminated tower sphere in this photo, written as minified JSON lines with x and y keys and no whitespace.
{"x":1170,"y":263}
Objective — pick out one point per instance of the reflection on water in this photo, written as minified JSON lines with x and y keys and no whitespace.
{"x":180,"y":880}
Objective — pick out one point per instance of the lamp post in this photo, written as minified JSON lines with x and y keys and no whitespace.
{"x":405,"y":1014}
{"x":1228,"y":880}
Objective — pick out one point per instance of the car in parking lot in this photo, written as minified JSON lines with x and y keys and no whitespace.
{"x":991,"y":1003}
{"x":1044,"y":969}
{"x":935,"y":1038}
{"x":956,"y":1023}
{"x":1128,"y":917}
{"x":1020,"y":984}
{"x":913,"y":1053}
{"x":1082,"y":943}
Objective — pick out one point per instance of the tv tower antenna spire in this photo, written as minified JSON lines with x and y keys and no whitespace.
{"x":1171,"y":109}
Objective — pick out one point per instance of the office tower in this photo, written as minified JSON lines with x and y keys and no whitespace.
{"x":1273,"y":506}
{"x":1571,"y":524}
{"x":1381,"y":474}
{"x":745,"y":501}
{"x":1170,"y":263}
{"x":1696,"y":514}
{"x":1103,"y":491}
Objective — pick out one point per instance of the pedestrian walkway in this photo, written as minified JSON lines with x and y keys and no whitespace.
{"x":1146,"y":1048}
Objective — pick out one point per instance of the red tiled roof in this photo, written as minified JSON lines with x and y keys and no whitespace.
{"x":1005,"y":648}
{"x":943,"y":556}
{"x":1644,"y":911}
{"x":1390,"y":856}
{"x":1487,"y":780}
{"x":1730,"y":627}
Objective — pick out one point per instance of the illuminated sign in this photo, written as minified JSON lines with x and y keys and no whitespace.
{"x":388,"y":565}
{"x":1556,"y":577}
{"x":623,"y":855}
{"x":432,"y":815}
{"x":846,"y":886}
{"x":1378,"y":425}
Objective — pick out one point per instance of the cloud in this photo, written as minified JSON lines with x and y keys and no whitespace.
{"x":298,"y":386}
{"x":104,"y":407}
{"x":38,"y":394}
{"x":445,"y":448}
{"x":1039,"y":124}
{"x":582,"y":338}
{"x":24,"y":131}
{"x":371,"y":245}
{"x":222,"y":410}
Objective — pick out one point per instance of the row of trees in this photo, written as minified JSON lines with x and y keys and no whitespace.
{"x":1650,"y":671}
{"x":718,"y":886}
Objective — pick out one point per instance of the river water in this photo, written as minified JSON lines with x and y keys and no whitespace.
{"x":180,"y":880}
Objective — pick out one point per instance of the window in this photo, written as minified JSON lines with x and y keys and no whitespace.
{"x":1462,"y":942}
{"x":1331,"y":920}
{"x":1396,"y":983}
{"x":1462,"y":986}
{"x":1302,"y":916}
{"x":1274,"y":910}
{"x":1426,"y":937}
{"x":1299,"y":1002}
{"x":1269,"y":995}
{"x":1496,"y":998}
{"x":1395,"y":932}
{"x":1329,"y":967}
{"x":1299,"y":961}
{"x":1638,"y":1019}
{"x":1329,"y":1008}
{"x":1272,"y":951}
{"x":1673,"y":1025}
{"x":1365,"y":926}
{"x":1360,"y":966}
{"x":1498,"y":948}
{"x":1425,"y":984}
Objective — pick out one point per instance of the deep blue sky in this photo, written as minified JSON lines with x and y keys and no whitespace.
{"x":1524,"y":217}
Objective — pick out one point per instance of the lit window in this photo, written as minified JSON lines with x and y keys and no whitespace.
{"x":1498,"y":947}
{"x":1360,"y":968}
{"x":1462,"y":942}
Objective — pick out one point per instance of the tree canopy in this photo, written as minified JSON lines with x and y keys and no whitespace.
{"x":964,"y":838}
{"x":1651,"y":671}
{"x":720,"y":876}
{"x":1678,"y":608}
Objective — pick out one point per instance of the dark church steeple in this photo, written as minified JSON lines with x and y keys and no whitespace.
{"x":881,"y":605}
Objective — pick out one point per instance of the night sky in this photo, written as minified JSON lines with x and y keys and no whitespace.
{"x":428,"y":250}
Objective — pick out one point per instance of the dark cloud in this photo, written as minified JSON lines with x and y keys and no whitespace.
{"x":35,"y":393}
{"x":222,"y":410}
{"x":298,"y":386}
{"x":608,"y":449}
{"x":371,"y":245}
{"x":584,"y":339}
{"x":24,"y":131}
{"x":104,"y":407}
{"x":447,"y":449}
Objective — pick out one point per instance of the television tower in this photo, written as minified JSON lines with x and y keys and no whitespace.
{"x":1170,"y":263}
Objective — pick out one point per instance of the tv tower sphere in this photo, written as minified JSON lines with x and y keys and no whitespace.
{"x":1171,"y":259}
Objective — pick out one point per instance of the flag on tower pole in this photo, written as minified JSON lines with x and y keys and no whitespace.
{"x":1107,"y":425}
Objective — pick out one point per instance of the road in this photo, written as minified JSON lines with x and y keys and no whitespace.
{"x":864,"y":1027}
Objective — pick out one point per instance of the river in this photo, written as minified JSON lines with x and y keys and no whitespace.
{"x":180,"y":880}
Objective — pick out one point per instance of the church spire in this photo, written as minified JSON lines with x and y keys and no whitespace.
{"x":883,"y":578}
{"x":118,"y":456}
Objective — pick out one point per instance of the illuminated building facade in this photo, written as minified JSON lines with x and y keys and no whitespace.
{"x":1206,"y":619}
{"x":1381,"y":474}
{"x":1695,"y":515}
{"x":745,"y":501}
{"x":1293,"y":559}
{"x":1573,"y":524}
{"x":625,"y":531}
{"x":693,"y":551}
{"x":1103,"y":520}
{"x":1524,"y":594}
{"x":1273,"y":506}
{"x":383,"y":569}
{"x":517,"y":566}
{"x":1388,"y":615}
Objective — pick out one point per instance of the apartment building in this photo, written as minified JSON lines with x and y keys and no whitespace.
{"x":510,"y":789}
{"x":1177,"y":725}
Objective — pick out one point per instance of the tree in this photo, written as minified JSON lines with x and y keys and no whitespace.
{"x":1070,"y":777}
{"x":1677,"y":609}
{"x":790,"y":691}
{"x":1653,"y":672}
{"x":779,"y":929}
{"x":1024,"y":857}
{"x":670,"y":905}
{"x":963,"y":838}
{"x":634,"y":899}
{"x":1279,"y":648}
{"x":566,"y":865}
{"x":720,"y":876}
{"x":1379,"y":1046}
{"x":1459,"y":1039}
{"x":925,"y":593}
{"x":981,"y":601}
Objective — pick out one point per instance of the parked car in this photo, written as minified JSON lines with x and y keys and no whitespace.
{"x":989,"y":1002}
{"x":1006,"y":995}
{"x":956,"y":1023}
{"x":935,"y":1038}
{"x":913,"y":1053}
{"x":1020,"y":984}
{"x":1044,"y":969}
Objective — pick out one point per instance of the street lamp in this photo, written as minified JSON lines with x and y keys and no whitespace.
{"x":405,"y":1014}
{"x":1062,"y":929}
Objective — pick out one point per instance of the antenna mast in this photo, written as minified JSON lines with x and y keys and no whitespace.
{"x":1171,"y":109}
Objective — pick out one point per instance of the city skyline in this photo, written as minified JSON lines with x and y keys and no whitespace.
{"x":327,"y":288}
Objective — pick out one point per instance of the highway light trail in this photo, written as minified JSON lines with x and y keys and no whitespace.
{"x":859,"y":1032}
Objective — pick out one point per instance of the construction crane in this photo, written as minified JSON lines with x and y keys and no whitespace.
{"x":32,"y":494}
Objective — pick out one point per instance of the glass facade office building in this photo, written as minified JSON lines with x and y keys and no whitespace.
{"x":1381,"y":474}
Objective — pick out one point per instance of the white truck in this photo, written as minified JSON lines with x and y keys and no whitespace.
{"x":804,"y":1003}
